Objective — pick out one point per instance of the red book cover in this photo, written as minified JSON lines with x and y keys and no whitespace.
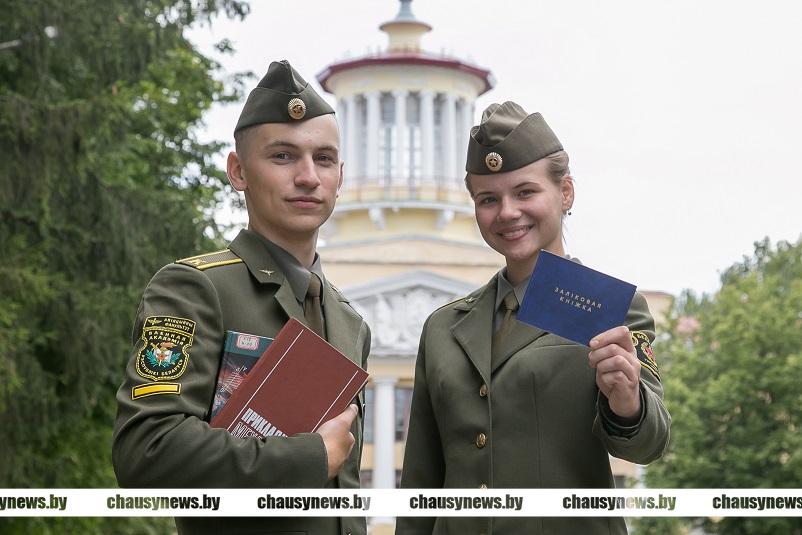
{"x":298,"y":383}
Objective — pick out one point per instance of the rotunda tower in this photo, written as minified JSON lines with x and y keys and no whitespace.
{"x":404,"y":116}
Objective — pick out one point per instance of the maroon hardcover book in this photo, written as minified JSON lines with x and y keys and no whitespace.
{"x":297,"y":384}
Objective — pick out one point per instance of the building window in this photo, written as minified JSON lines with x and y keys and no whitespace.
{"x":413,"y":164}
{"x":414,"y":146}
{"x":361,"y":164}
{"x":403,"y":403}
{"x":439,"y":162}
{"x":387,"y":138}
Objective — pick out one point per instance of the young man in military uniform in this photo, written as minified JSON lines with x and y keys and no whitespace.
{"x":501,"y":404}
{"x":287,"y":164}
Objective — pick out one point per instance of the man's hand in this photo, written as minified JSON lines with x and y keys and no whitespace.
{"x":617,"y":371}
{"x":338,"y":439}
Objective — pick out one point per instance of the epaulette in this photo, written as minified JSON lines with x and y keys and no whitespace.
{"x":466,"y":299}
{"x":337,"y":291}
{"x":455,"y":301}
{"x":210,"y":260}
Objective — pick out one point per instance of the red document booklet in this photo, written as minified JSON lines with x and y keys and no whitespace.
{"x":297,"y":384}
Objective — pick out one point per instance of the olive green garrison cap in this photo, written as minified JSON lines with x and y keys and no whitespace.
{"x":507,"y":139}
{"x":282,"y":96}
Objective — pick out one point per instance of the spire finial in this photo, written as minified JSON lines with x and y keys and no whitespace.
{"x":405,"y":13}
{"x":405,"y":30}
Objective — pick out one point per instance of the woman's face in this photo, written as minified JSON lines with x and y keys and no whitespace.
{"x":520,"y":212}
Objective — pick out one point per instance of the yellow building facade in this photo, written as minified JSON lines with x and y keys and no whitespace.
{"x":403,"y":239}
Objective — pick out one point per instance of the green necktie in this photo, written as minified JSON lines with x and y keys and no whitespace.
{"x":313,"y":312}
{"x":510,"y":305}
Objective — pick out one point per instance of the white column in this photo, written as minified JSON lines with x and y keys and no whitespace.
{"x":449,"y":134}
{"x":401,"y":155}
{"x":372,"y":135}
{"x":340,"y":109}
{"x":467,"y":123}
{"x":384,"y":432}
{"x":351,"y":157}
{"x":427,"y":134}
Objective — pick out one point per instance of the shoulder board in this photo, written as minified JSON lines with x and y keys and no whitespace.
{"x":338,"y":292}
{"x":455,"y":301}
{"x":210,"y":260}
{"x":465,"y":300}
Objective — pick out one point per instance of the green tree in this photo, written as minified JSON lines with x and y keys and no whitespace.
{"x":103,"y":180}
{"x":732,"y":385}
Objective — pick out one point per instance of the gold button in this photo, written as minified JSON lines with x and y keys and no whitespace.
{"x":483,"y":486}
{"x":483,"y":391}
{"x":481,"y":440}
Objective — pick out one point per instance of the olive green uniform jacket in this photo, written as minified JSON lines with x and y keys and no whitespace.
{"x":164,"y":440}
{"x":535,"y":419}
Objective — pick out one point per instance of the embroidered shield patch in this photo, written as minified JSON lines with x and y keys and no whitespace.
{"x":643,"y":349}
{"x":165,"y":341}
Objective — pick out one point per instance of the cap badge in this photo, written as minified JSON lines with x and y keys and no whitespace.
{"x":297,"y":108}
{"x":494,"y":161}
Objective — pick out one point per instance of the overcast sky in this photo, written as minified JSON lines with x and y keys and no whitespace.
{"x":682,"y":118}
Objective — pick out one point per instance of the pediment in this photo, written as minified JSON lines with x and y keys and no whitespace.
{"x":396,"y":307}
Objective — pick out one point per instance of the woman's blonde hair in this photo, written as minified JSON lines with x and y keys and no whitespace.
{"x":558,"y":166}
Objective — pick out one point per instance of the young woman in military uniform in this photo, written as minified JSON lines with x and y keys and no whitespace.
{"x":501,"y":404}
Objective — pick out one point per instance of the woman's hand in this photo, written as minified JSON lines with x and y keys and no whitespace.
{"x":617,"y":371}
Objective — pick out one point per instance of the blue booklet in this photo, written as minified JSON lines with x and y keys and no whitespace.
{"x":573,"y":301}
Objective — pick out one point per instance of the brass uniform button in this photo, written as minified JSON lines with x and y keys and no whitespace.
{"x":483,"y":391}
{"x":494,"y":161}
{"x":296,"y":108}
{"x":481,"y":440}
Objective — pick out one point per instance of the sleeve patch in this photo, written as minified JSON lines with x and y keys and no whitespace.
{"x":165,"y":344}
{"x":143,"y":391}
{"x":643,"y":349}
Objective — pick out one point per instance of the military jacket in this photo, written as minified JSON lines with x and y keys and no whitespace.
{"x":535,"y":419}
{"x":161,"y":435}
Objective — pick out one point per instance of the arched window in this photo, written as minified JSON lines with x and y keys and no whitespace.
{"x":387,"y":138}
{"x":439,"y":162}
{"x":413,"y":145}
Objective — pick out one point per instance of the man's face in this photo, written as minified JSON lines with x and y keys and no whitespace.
{"x":290,"y":174}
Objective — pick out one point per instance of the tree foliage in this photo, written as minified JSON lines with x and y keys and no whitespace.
{"x":103,"y":180}
{"x":732,"y":386}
